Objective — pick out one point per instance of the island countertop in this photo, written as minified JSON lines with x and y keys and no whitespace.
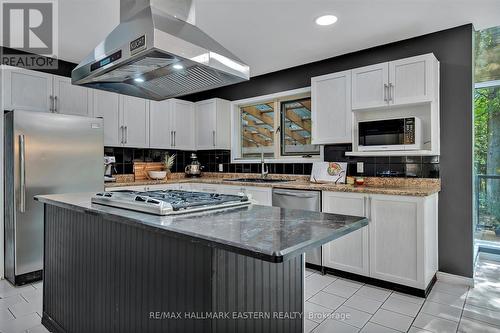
{"x":269,"y":233}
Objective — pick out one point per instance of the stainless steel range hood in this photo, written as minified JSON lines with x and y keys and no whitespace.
{"x":156,"y":52}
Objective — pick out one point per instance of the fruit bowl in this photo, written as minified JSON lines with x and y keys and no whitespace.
{"x":157,"y":175}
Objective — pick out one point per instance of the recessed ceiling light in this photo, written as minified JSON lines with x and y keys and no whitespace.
{"x":326,"y":20}
{"x":139,"y":79}
{"x":178,"y":66}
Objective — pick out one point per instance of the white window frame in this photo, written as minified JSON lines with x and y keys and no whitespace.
{"x":236,"y":130}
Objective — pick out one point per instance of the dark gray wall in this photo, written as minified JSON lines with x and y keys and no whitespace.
{"x":453,"y":48}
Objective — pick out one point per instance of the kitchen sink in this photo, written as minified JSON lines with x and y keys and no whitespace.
{"x":258,"y":180}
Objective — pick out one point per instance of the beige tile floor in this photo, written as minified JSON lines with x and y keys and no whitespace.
{"x":339,"y":305}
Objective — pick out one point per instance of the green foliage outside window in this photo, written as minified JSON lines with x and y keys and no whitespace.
{"x":487,"y":126}
{"x":487,"y":55}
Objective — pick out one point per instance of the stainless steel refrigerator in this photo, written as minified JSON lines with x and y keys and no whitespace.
{"x":45,"y":153}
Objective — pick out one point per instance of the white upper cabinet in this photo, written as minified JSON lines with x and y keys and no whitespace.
{"x":27,"y":90}
{"x":36,"y":91}
{"x":182,"y":124}
{"x":349,"y":253}
{"x":172,"y":125}
{"x":369,"y":86}
{"x":412,"y":80}
{"x":71,"y":99}
{"x":212,"y":122}
{"x":126,"y":119}
{"x":331,"y":108}
{"x":402,"y":82}
{"x":134,"y":118}
{"x":107,"y":106}
{"x":160,"y":134}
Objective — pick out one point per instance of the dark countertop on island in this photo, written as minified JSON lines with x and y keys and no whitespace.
{"x":269,"y":233}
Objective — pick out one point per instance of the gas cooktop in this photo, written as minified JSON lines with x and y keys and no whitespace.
{"x":168,"y":202}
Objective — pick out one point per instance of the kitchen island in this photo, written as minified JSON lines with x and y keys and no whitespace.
{"x":240,"y":269}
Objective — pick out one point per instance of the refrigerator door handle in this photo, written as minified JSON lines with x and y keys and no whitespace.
{"x":22,"y":182}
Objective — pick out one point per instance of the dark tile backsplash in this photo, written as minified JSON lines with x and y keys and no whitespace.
{"x":384,"y":166}
{"x":409,"y":166}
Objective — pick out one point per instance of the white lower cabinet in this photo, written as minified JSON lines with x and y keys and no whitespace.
{"x":399,"y":244}
{"x":349,"y":253}
{"x":209,"y":188}
{"x":261,"y":195}
{"x":403,"y":239}
{"x":161,"y":187}
{"x":128,"y":188}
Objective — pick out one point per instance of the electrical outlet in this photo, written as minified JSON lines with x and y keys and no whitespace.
{"x":221,"y":168}
{"x":360,"y":167}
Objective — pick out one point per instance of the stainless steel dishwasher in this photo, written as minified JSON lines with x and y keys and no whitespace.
{"x":305,"y":200}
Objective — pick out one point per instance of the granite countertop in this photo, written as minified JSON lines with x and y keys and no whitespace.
{"x":269,"y":233}
{"x":374,"y":185}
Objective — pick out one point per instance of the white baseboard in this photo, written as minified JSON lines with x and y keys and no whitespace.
{"x":455,"y":279}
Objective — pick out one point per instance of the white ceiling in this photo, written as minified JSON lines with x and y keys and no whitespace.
{"x":275,"y":34}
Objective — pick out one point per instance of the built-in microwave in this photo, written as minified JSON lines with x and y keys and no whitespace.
{"x":390,"y":134}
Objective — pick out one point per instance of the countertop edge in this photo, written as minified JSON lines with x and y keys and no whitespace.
{"x":275,"y":257}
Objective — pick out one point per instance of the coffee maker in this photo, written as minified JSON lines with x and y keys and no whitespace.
{"x":109,"y":168}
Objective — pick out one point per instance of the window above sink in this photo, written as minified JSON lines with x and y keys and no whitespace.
{"x":277,"y":126}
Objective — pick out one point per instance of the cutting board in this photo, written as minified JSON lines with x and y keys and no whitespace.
{"x":141,"y":169}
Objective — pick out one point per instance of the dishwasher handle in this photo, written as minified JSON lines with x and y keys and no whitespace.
{"x":296,"y":194}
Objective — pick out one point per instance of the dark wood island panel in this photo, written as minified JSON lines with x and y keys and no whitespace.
{"x":105,"y":276}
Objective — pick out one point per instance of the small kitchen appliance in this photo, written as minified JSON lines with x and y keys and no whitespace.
{"x":390,"y":134}
{"x":169,"y":202}
{"x":193,"y":169}
{"x":109,"y":168}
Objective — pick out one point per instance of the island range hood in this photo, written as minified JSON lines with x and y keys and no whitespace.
{"x":156,"y":52}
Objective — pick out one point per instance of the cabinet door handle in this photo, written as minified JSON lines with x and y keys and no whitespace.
{"x":22,"y":167}
{"x":364,"y":206}
{"x":386,"y":88}
{"x":51,"y":106}
{"x":213,"y":138}
{"x":175,"y":139}
{"x":55,"y":104}
{"x":391,"y":88}
{"x":370,"y":208}
{"x":121,"y":134}
{"x":126,"y":134}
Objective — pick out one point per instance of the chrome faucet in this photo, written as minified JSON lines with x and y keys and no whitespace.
{"x":263,"y":168}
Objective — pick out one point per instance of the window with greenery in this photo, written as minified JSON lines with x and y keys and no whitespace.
{"x":487,"y":55}
{"x":487,"y":137}
{"x":279,"y":127}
